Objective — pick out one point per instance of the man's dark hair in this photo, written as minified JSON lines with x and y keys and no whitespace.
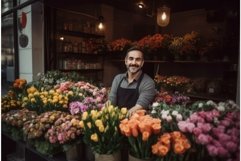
{"x":135,"y":48}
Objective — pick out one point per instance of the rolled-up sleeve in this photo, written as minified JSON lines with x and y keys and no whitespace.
{"x":113,"y":91}
{"x":147,"y":93}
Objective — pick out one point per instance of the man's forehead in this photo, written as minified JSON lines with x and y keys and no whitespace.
{"x":135,"y":54}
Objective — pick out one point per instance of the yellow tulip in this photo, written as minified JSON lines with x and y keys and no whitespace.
{"x":124,"y":111}
{"x":94,"y":137}
{"x":101,"y":128}
{"x":110,"y":108}
{"x":33,"y":100}
{"x":70,"y":93}
{"x":98,"y":123}
{"x":81,"y":124}
{"x":25,"y":99}
{"x":89,"y":125}
{"x":30,"y":95}
{"x":84,"y":115}
{"x":51,"y":91}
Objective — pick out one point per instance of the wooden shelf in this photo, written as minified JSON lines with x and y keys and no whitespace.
{"x":204,"y":96}
{"x":80,"y":34}
{"x":81,"y":70}
{"x":67,"y":54}
{"x":176,"y":62}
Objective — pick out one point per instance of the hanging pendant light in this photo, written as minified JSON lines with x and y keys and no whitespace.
{"x":101,"y":23}
{"x":163,"y":16}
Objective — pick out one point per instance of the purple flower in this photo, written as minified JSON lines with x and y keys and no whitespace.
{"x":75,"y":107}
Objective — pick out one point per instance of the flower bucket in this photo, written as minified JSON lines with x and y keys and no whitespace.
{"x":132,"y":158}
{"x":108,"y":157}
{"x":74,"y":153}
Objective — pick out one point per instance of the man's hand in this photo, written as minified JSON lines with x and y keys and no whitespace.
{"x":134,"y":109}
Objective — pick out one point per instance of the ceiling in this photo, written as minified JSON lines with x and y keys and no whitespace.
{"x":152,"y":5}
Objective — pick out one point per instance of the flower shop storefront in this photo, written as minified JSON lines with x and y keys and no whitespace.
{"x":70,"y":119}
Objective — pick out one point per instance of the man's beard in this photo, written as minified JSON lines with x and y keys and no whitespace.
{"x":134,"y":70}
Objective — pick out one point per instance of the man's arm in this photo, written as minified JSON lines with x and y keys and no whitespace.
{"x":113,"y":91}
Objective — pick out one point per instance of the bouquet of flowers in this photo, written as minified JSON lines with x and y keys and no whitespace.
{"x":42,"y":101}
{"x":169,"y":114}
{"x":9,"y":102}
{"x":65,"y":131}
{"x":215,"y":131}
{"x":119,"y":45}
{"x":38,"y":126}
{"x":172,"y":83}
{"x":171,"y":146}
{"x":172,"y":98}
{"x":100,"y":128}
{"x":82,"y":96}
{"x":13,"y":121}
{"x":142,"y":131}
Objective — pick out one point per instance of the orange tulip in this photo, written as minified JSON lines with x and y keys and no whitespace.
{"x":155,"y":148}
{"x":165,"y":139}
{"x":134,"y":132}
{"x":145,"y":135}
{"x":176,"y":134}
{"x":156,"y":128}
{"x":163,"y":150}
{"x":179,"y":148}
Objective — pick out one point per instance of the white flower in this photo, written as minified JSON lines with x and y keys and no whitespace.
{"x":153,"y":111}
{"x":174,"y":113}
{"x":220,"y":108}
{"x":164,"y":116}
{"x":155,"y":104}
{"x":200,"y":105}
{"x":210,"y":102}
{"x":51,"y":80}
{"x":169,"y":118}
{"x":179,"y":117}
{"x":165,"y":112}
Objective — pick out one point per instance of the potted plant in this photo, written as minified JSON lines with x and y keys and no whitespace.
{"x":101,"y":132}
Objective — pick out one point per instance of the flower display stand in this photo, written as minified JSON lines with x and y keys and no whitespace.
{"x":108,"y":157}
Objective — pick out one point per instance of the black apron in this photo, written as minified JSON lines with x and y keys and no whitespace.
{"x":128,"y":97}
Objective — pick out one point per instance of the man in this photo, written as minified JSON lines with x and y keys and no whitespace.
{"x":133,"y":89}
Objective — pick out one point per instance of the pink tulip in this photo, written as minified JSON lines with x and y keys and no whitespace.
{"x":203,"y":139}
{"x":212,"y":150}
{"x":222,"y":152}
{"x":231,"y":146}
{"x":205,"y":127}
{"x":197,"y":131}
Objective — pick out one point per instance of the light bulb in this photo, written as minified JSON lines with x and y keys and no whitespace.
{"x":164,"y":16}
{"x":100,"y":26}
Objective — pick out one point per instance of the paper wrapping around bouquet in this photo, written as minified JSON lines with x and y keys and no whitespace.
{"x":108,"y":157}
